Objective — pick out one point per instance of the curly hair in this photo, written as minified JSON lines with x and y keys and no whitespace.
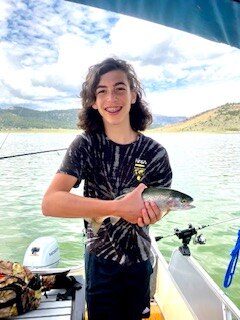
{"x":89,"y":119}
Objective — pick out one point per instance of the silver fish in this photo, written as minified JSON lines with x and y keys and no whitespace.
{"x":166,"y":199}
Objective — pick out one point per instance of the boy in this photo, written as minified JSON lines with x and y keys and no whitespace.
{"x":110,"y":156}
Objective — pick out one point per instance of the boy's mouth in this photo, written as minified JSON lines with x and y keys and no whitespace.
{"x":113,"y":109}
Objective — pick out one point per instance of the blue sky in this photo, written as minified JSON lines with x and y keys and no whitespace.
{"x":47,"y":46}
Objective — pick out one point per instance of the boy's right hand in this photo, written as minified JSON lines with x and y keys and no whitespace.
{"x":131,"y":205}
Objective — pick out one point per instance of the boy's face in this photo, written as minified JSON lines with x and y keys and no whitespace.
{"x":114,"y":98}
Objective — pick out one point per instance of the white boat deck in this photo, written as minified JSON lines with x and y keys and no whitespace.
{"x":72,"y":309}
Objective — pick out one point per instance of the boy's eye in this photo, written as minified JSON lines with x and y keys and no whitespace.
{"x":104,"y":91}
{"x":100,"y":91}
{"x":120,"y":89}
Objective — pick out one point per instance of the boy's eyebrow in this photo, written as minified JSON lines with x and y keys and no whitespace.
{"x":120,"y":82}
{"x":115,"y":84}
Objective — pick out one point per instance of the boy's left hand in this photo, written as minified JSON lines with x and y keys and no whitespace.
{"x":150,"y":214}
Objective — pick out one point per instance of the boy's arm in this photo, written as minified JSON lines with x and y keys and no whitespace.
{"x":59,"y":202}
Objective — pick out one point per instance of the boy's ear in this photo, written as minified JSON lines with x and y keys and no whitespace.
{"x":134,"y":97}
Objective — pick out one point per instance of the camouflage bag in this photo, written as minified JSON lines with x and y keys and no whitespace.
{"x":20,"y":289}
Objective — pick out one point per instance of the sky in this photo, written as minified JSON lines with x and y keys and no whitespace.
{"x":47,"y":46}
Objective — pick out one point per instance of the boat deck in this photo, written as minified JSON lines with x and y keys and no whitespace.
{"x":72,"y":309}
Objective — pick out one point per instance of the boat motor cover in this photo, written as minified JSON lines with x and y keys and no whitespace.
{"x":43,"y":252}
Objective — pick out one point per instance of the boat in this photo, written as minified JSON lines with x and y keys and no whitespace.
{"x":180,"y":289}
{"x":215,"y":20}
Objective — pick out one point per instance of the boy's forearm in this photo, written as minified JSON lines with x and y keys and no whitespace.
{"x":66,"y":205}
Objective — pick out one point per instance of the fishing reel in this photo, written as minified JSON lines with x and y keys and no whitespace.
{"x":186,"y":236}
{"x":199,"y":239}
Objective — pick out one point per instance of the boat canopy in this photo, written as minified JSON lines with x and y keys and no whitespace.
{"x":215,"y":20}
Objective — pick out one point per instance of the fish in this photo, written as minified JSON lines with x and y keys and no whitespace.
{"x":167,"y":200}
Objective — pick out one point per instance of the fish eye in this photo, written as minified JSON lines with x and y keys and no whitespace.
{"x":184,"y":201}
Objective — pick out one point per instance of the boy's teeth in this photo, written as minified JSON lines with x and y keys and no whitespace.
{"x":113,"y":109}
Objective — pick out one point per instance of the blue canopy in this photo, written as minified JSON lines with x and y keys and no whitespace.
{"x":216,"y":20}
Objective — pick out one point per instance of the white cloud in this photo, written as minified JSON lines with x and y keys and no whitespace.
{"x":187,"y":100}
{"x":46,"y":49}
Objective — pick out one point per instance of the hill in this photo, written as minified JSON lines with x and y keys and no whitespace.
{"x":24,"y":118}
{"x":225,"y":118}
{"x":18,"y":118}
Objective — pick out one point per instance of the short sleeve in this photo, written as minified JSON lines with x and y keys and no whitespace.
{"x":74,"y":161}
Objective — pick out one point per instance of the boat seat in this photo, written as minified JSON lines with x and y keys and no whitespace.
{"x":51,"y":309}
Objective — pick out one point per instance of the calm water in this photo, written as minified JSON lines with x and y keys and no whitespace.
{"x":206,"y":166}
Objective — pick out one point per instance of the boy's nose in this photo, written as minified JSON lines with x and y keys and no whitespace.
{"x":112,"y":96}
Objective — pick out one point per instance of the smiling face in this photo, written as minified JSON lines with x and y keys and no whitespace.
{"x":114,"y":98}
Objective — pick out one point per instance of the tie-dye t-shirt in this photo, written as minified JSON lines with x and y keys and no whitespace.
{"x":108,"y":168}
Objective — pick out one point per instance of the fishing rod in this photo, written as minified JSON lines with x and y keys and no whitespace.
{"x":198,"y":228}
{"x":30,"y":153}
{"x":186,"y":235}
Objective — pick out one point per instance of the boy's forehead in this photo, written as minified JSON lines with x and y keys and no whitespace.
{"x":113,"y":77}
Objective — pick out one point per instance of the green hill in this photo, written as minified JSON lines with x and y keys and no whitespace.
{"x":225,"y":118}
{"x":24,"y":118}
{"x":18,"y":118}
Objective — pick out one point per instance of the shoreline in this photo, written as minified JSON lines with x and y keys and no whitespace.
{"x":8,"y":131}
{"x":154,"y":130}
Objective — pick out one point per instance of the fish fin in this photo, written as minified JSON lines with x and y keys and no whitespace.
{"x":114,"y":220}
{"x":164,"y":213}
{"x":95,"y":226}
{"x":96,"y":223}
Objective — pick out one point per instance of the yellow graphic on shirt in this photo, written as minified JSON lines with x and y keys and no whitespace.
{"x":139,"y":168}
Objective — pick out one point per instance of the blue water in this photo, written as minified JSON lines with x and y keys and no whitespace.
{"x":206,"y":166}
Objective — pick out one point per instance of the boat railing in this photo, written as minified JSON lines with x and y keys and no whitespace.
{"x":203,"y":296}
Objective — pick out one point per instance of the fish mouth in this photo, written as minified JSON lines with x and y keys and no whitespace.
{"x":189,"y":206}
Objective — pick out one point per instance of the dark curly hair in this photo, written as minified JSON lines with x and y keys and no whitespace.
{"x":89,"y":119}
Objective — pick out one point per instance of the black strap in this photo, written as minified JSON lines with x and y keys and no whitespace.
{"x":17,"y":299}
{"x":70,"y":292}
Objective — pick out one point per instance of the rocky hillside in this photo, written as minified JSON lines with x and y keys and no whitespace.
{"x":225,"y":118}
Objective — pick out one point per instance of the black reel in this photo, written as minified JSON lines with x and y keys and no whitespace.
{"x":186,"y":236}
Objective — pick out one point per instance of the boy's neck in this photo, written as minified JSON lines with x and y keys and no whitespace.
{"x":121,"y":136}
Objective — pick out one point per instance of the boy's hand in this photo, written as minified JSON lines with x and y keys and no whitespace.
{"x":150,"y":214}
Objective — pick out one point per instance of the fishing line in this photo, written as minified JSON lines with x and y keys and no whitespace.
{"x":4,"y":140}
{"x":30,"y":153}
{"x":197,"y":228}
{"x":21,"y":110}
{"x":216,"y":223}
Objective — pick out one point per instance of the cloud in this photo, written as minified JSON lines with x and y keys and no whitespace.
{"x":46,"y":48}
{"x":186,"y":100}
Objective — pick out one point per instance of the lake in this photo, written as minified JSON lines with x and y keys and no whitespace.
{"x":205,"y":166}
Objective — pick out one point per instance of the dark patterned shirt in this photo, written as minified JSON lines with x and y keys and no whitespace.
{"x":108,"y":168}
